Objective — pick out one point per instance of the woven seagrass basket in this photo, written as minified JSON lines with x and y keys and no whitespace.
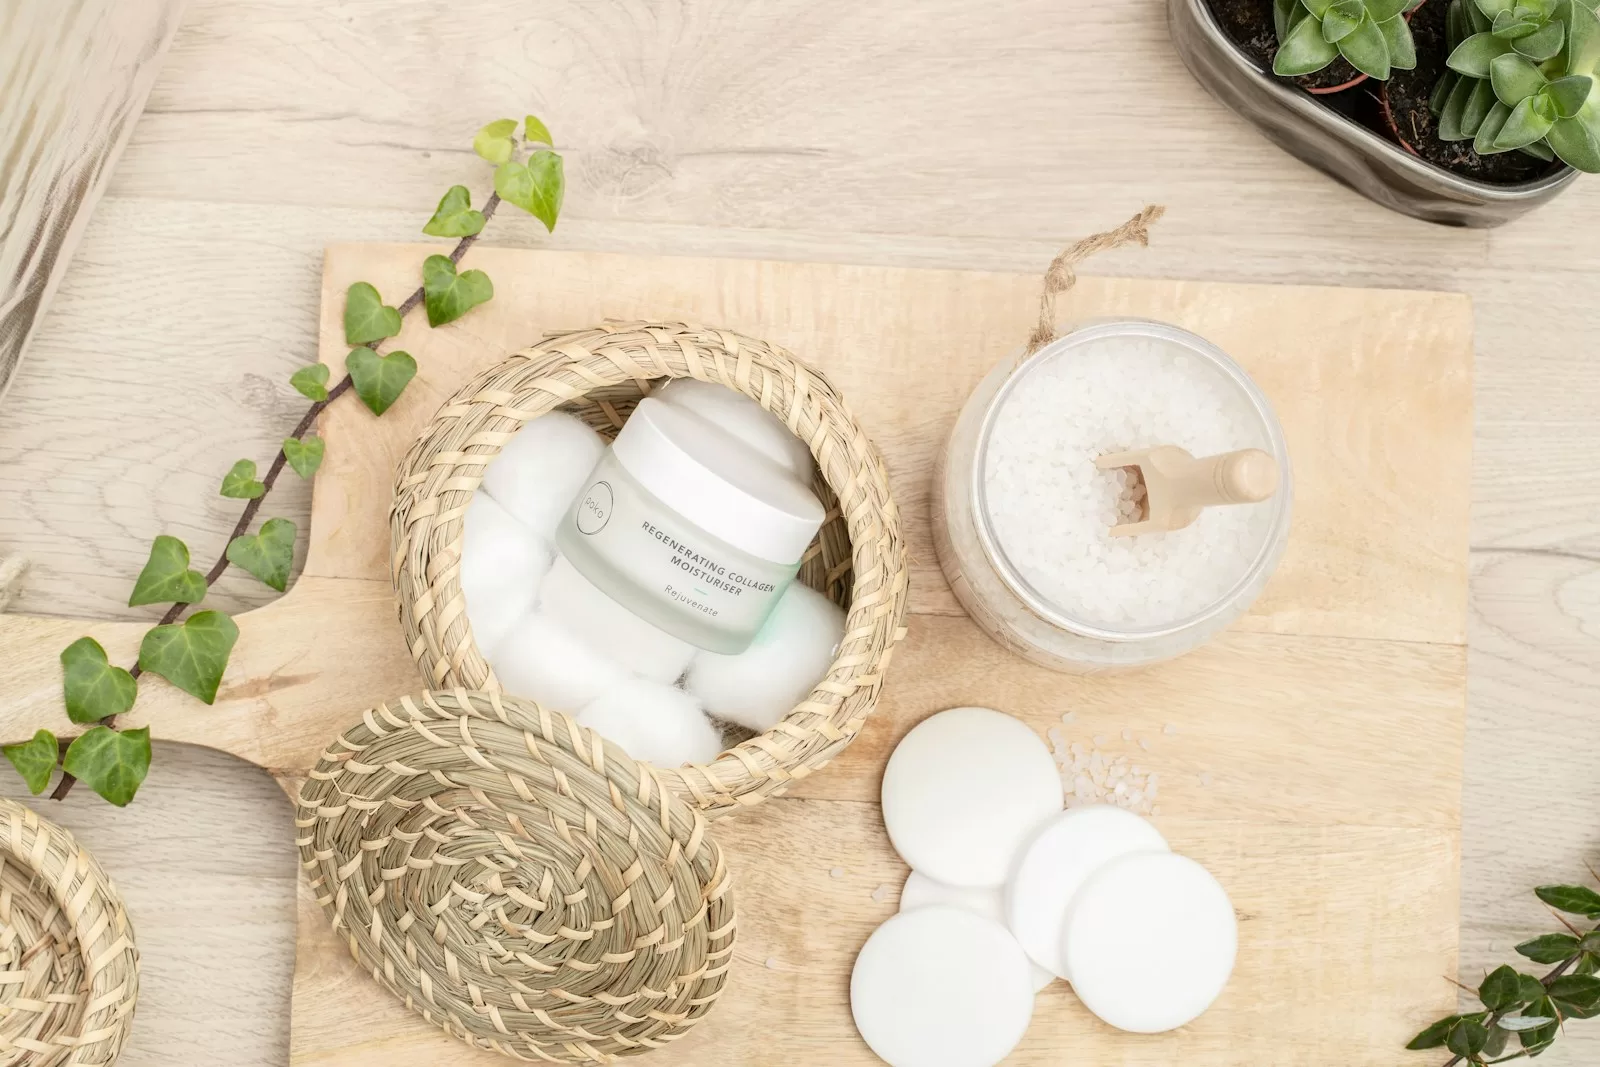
{"x":67,"y":954}
{"x":517,"y":879}
{"x":599,"y":374}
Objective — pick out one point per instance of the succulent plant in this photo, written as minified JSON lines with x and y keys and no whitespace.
{"x":1371,"y":34}
{"x":1523,"y":77}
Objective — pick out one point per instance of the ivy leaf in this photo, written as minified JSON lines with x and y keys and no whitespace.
{"x":35,"y":760}
{"x":1538,"y":1039}
{"x":379,"y":380}
{"x":1572,"y":899}
{"x":454,"y":217}
{"x":1576,"y":994}
{"x":1467,"y":1038}
{"x":268,"y":555}
{"x":1532,"y":988}
{"x":1519,"y":1023}
{"x":311,"y":381}
{"x":240,"y":482}
{"x":166,"y":578}
{"x":450,"y":295}
{"x":536,"y":186}
{"x":1435,"y":1035}
{"x":92,"y":687}
{"x":366,"y":317}
{"x":191,"y":655}
{"x":304,"y":456}
{"x":111,"y":762}
{"x":1550,"y":948}
{"x":1502,"y":989}
{"x":535,"y":132}
{"x":493,"y":142}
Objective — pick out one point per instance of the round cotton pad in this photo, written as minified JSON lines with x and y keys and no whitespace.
{"x":964,"y":791}
{"x":920,"y":891}
{"x":1070,"y":848}
{"x":1150,"y":941}
{"x":941,"y":987}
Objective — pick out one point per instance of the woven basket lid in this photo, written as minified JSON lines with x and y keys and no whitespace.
{"x":69,"y":969}
{"x":516,"y":878}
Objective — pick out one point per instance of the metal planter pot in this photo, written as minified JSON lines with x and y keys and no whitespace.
{"x":1339,"y":147}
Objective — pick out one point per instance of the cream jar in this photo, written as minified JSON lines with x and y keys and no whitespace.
{"x":1065,"y":594}
{"x":690,"y":528}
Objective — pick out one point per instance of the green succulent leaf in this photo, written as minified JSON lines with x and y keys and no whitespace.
{"x":1457,"y":24}
{"x":1582,"y":49}
{"x":240,"y":482}
{"x":535,"y":131}
{"x":1446,"y":85}
{"x":536,"y":186}
{"x":166,"y":577}
{"x":1509,"y":27}
{"x":366,"y":317}
{"x":1285,"y":15}
{"x":1542,"y":44}
{"x":455,"y":215}
{"x":1539,"y":1038}
{"x":268,"y":555}
{"x":1473,"y":56}
{"x":1502,"y":989}
{"x":1367,"y":49}
{"x":1384,"y":10}
{"x":1569,"y":94}
{"x":1304,"y":51}
{"x":111,"y":762}
{"x":1402,"y":46}
{"x":35,"y":760}
{"x":305,"y":456}
{"x":1515,"y":79}
{"x":1477,"y":107}
{"x":450,"y":295}
{"x":379,"y":380}
{"x":1468,"y":1037}
{"x":494,"y":142}
{"x":311,"y":381}
{"x":1318,"y":8}
{"x":192,"y":654}
{"x":1572,"y":899}
{"x":1341,"y":20}
{"x":92,"y":688}
{"x":1451,"y":126}
{"x":1549,"y":948}
{"x":1528,"y":123}
{"x":1493,"y":123}
{"x":1540,"y":149}
{"x":1435,"y":1035}
{"x":1492,"y":9}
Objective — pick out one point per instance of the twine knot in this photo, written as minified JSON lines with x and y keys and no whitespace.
{"x":1061,"y":276}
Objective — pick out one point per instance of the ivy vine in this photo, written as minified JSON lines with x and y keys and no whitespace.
{"x":192,"y":652}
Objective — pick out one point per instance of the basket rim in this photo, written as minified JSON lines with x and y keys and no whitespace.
{"x":435,"y":481}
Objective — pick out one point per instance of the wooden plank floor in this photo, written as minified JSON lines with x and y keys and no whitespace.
{"x":945,"y":134}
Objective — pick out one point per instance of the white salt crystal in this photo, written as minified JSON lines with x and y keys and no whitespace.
{"x":837,"y":872}
{"x":1051,"y":509}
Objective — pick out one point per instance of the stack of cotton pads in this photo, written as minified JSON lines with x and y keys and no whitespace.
{"x":553,"y":637}
{"x":1008,"y":889}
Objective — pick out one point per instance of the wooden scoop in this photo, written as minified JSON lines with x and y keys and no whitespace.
{"x":1176,"y":485}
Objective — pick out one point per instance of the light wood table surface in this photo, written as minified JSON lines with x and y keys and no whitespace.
{"x":946,"y":133}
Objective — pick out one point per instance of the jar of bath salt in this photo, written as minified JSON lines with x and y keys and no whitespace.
{"x":1023,"y":515}
{"x":690,"y":528}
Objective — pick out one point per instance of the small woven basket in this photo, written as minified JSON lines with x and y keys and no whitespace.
{"x":599,"y":374}
{"x":69,"y":969}
{"x":517,"y":879}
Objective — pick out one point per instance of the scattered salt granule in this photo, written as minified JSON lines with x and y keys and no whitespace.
{"x":1169,"y":729}
{"x":837,"y":872}
{"x":881,"y":894}
{"x":1205,"y":777}
{"x":1127,"y":735}
{"x":1089,"y":776}
{"x":1099,"y":739}
{"x":772,"y":963}
{"x":1051,"y":508}
{"x":1144,"y":743}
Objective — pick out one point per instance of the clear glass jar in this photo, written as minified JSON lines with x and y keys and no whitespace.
{"x":992,"y":588}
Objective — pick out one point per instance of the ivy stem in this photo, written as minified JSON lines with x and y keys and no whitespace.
{"x":279,"y":462}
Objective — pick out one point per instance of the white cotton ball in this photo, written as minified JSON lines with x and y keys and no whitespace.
{"x":783,"y":664}
{"x":656,"y":723}
{"x":538,"y":473}
{"x":540,"y":660}
{"x":609,"y":628}
{"x":502,"y":565}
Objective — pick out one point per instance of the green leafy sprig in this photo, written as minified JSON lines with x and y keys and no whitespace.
{"x":1525,"y":1007}
{"x":192,"y":653}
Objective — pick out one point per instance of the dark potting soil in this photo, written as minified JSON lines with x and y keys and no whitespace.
{"x":1249,"y":23}
{"x":1406,"y":96}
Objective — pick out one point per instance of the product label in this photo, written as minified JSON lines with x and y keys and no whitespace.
{"x":673,"y":563}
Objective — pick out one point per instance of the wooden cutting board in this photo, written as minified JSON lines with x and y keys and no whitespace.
{"x":1310,"y":756}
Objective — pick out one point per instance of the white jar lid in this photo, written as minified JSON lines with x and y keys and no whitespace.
{"x":736,"y":414}
{"x":717,"y":482}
